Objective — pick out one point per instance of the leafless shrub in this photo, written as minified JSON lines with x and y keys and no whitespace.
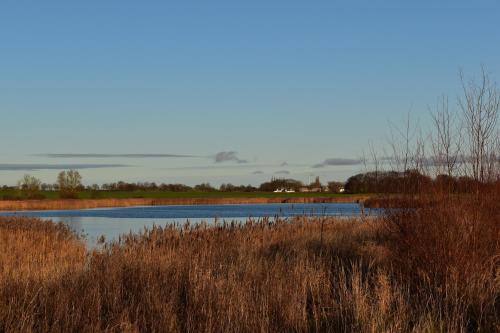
{"x":480,"y":106}
{"x":445,"y":139}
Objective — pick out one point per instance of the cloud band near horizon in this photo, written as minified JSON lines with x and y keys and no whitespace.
{"x":338,"y":162}
{"x":94,"y":155}
{"x":38,"y":167}
{"x":220,"y":157}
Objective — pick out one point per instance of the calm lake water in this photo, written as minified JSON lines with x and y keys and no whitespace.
{"x":112,"y":222}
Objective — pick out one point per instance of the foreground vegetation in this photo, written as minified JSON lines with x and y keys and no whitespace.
{"x":436,"y":268}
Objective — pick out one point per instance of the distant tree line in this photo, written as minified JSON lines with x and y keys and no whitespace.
{"x":270,"y":186}
{"x":69,"y":184}
{"x":277,"y":183}
{"x":143,"y":186}
{"x":411,"y":181}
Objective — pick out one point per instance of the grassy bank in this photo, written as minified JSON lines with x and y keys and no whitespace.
{"x":51,"y":195}
{"x":195,"y":198}
{"x":435,"y":269}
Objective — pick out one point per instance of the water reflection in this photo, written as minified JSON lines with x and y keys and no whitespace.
{"x":111,"y":223}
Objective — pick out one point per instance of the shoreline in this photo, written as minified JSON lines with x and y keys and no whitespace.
{"x":72,"y":204}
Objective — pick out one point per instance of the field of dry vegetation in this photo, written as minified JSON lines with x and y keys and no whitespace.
{"x":434,"y":269}
{"x":69,"y":204}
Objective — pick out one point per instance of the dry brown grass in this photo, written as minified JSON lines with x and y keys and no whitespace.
{"x":450,"y":251}
{"x":68,"y":204}
{"x":61,"y":204}
{"x":306,"y":275}
{"x":32,"y":249}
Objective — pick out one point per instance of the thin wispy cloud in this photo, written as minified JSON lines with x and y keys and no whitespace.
{"x":282,"y":172}
{"x":220,"y":157}
{"x":428,"y":161}
{"x":93,"y":155}
{"x":258,"y":172}
{"x":338,"y":162}
{"x":219,"y":167}
{"x":437,"y":161}
{"x":38,"y":167}
{"x":228,"y":156}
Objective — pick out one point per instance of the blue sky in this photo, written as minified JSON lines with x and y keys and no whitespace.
{"x":284,"y":85}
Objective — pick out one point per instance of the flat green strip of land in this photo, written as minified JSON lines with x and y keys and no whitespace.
{"x":103,"y":199}
{"x":177,"y":195}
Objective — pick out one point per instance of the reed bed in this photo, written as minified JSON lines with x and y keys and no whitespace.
{"x":304,"y":275}
{"x":69,"y":204}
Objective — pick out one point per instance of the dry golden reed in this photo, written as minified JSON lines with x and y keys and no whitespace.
{"x":68,"y":204}
{"x":304,"y":275}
